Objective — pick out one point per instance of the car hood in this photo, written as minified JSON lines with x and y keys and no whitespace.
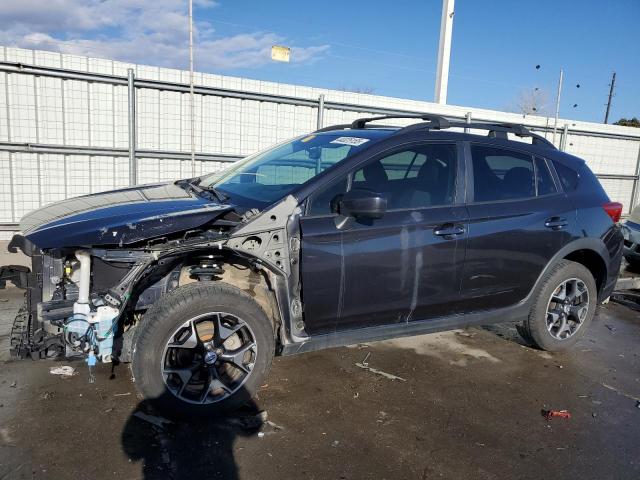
{"x":119,"y":217}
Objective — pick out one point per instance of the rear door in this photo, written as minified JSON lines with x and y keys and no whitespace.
{"x":402,"y":267}
{"x":518,"y":219}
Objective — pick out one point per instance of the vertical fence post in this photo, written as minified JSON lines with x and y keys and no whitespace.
{"x":133,"y":167}
{"x":467,"y":118}
{"x":320,"y":111}
{"x":636,"y":184}
{"x":563,"y":140}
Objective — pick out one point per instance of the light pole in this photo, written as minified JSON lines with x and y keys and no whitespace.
{"x":555,"y":125}
{"x":444,"y":52}
{"x":191,"y":96}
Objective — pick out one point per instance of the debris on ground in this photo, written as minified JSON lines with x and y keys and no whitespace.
{"x":390,"y":376}
{"x":620,"y":392}
{"x":121,"y":394}
{"x":153,"y":419}
{"x":48,"y":395}
{"x":364,"y":360}
{"x":260,"y":434}
{"x":63,"y":371}
{"x":275,"y":426}
{"x":549,"y":414}
{"x":464,"y":333}
{"x":611,"y":328}
{"x":335,"y":443}
{"x":14,"y":384}
{"x":628,"y":299}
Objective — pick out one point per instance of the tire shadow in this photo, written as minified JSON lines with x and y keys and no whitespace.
{"x":197,"y":448}
{"x":507,"y":331}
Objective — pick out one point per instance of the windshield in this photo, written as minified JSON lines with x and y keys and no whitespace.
{"x":265,"y":177}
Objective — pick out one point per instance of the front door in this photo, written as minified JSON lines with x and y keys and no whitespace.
{"x":405,"y":266}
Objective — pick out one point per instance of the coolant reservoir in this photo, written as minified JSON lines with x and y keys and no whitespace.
{"x":103,"y":321}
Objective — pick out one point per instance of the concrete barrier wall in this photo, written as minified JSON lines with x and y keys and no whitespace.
{"x":64,"y":133}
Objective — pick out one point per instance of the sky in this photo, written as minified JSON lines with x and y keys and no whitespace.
{"x":383,"y":47}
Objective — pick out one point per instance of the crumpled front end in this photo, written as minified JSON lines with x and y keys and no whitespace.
{"x":87,"y":300}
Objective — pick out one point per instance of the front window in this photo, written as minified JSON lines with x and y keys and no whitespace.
{"x":418,"y":176}
{"x":268,"y":176}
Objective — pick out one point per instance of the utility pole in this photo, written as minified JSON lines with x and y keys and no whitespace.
{"x":555,"y":125}
{"x":191,"y":99}
{"x":613,"y":83}
{"x":444,"y":52}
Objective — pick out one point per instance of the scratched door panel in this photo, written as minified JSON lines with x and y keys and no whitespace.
{"x":392,"y":270}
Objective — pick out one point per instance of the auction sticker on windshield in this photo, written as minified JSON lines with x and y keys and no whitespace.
{"x":353,"y":141}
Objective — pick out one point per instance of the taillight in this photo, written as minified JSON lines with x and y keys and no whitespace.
{"x":614,"y":210}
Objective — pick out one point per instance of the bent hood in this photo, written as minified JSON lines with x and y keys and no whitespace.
{"x":119,"y":217}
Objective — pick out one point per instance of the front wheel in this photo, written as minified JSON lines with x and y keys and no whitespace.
{"x":203,"y":349}
{"x":562,"y":308}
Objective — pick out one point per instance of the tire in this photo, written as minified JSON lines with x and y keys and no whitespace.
{"x":194,"y":304}
{"x":537,"y":329}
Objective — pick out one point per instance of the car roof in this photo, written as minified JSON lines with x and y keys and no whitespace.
{"x":380,"y":132}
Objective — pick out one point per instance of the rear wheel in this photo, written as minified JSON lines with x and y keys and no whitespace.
{"x":563,"y":307}
{"x":202,"y":349}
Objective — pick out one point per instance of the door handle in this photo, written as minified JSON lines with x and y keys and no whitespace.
{"x":555,"y":223}
{"x":449,"y":231}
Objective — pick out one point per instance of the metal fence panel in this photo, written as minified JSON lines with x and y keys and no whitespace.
{"x":64,"y":127}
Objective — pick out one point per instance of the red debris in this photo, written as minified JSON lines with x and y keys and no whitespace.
{"x":549,"y":414}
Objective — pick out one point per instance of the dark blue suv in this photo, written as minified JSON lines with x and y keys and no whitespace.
{"x":353,"y":233}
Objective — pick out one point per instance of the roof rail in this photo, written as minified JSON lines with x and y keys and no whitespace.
{"x":436,"y":121}
{"x":342,"y":126}
{"x":500,"y":130}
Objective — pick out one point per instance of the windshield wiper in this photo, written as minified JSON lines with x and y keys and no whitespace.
{"x":218,"y":194}
{"x":196,"y":188}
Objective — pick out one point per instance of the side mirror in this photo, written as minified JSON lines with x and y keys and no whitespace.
{"x":362,"y":204}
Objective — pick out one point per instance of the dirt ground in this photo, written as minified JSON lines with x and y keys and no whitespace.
{"x":467,"y":404}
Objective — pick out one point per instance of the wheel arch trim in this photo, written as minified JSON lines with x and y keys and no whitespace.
{"x":594,"y":245}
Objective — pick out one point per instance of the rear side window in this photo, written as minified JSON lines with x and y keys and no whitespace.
{"x":568,"y":176}
{"x":544,"y":179}
{"x":500,"y":174}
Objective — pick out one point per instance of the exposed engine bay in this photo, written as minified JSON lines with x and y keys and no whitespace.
{"x":88,"y":301}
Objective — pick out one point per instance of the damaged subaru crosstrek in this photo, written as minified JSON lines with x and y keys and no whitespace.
{"x":352,"y":233}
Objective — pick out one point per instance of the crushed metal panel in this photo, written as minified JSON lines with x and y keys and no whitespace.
{"x":266,"y":237}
